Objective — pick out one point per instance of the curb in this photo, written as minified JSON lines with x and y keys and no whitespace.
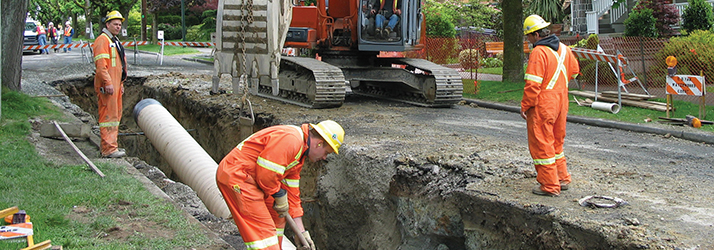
{"x":691,"y":136}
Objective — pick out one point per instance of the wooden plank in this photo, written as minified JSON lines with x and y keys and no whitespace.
{"x":624,"y":102}
{"x":8,"y":211}
{"x":629,"y":95}
{"x":84,"y":157}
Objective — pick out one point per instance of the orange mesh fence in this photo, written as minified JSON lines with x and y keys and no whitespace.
{"x":645,"y":69}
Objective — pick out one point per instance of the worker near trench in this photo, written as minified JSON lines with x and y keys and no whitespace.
{"x":109,"y":83}
{"x":260,"y":179}
{"x":551,"y":66}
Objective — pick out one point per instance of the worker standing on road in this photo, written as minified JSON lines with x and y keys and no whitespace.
{"x":68,"y":33}
{"x":109,"y":83}
{"x":260,"y":179}
{"x":545,"y":104}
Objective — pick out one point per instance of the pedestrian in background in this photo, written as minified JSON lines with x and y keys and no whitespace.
{"x":68,"y":33}
{"x":42,"y":37}
{"x":109,"y":83}
{"x":52,"y":34}
{"x":545,"y":104}
{"x":260,"y":179}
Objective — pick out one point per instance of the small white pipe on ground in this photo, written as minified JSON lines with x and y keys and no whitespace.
{"x":606,"y":106}
{"x":186,"y":157}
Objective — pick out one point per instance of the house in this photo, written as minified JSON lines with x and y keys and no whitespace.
{"x":599,"y":16}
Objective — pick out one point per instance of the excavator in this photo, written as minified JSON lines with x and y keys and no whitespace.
{"x":345,"y":58}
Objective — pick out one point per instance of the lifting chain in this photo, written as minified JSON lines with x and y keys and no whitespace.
{"x":247,"y":118}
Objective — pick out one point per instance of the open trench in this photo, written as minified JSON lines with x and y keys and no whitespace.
{"x":356,"y":200}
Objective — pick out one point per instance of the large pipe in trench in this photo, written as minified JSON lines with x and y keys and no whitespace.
{"x":186,"y":157}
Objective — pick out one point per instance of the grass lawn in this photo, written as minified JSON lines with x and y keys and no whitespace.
{"x":168,"y":50}
{"x":70,"y":204}
{"x":512,"y":93}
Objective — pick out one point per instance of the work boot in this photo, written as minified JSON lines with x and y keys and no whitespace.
{"x":564,"y":186}
{"x":387,"y":31}
{"x":116,"y":154}
{"x":538,"y":191}
{"x":378,"y":33}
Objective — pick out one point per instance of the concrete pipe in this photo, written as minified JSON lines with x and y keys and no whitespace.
{"x":606,"y":106}
{"x":185,"y":156}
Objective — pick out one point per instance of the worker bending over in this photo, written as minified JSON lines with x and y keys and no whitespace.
{"x":260,"y":179}
{"x":545,"y":104}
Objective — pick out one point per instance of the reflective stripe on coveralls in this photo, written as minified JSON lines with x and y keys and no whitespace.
{"x":545,"y":99}
{"x":255,"y":169}
{"x":109,"y":106}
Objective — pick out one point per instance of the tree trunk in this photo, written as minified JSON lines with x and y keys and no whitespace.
{"x":154,"y":29}
{"x":513,"y":41}
{"x":13,"y":12}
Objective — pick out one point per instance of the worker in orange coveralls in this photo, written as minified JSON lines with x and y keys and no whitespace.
{"x":109,"y":83}
{"x":260,"y":178}
{"x":545,"y":104}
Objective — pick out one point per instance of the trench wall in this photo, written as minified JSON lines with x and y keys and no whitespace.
{"x":356,"y":201}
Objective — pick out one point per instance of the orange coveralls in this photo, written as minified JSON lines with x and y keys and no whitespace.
{"x":261,"y":165}
{"x":110,"y":64}
{"x":545,"y":100}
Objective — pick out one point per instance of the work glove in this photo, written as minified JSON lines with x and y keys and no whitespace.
{"x":281,"y":202}
{"x":310,"y":243}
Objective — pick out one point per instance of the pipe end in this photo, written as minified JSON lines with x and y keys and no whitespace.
{"x":142,"y":104}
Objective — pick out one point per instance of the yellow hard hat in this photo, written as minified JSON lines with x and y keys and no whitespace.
{"x":533,"y":23}
{"x":331,"y":132}
{"x":113,"y":15}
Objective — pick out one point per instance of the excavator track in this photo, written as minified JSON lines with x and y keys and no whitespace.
{"x":309,"y":83}
{"x":445,"y":90}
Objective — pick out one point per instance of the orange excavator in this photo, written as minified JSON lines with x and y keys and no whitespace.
{"x":251,"y":35}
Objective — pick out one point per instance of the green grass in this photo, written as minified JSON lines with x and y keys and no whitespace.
{"x":512,"y":93}
{"x":495,"y":71}
{"x":168,"y":50}
{"x":49,"y":192}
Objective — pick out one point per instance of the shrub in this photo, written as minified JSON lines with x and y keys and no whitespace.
{"x":170,"y":32}
{"x":491,"y":62}
{"x":694,"y":54}
{"x":468,"y":58}
{"x":197,"y":34}
{"x":665,"y":14}
{"x":697,"y":16}
{"x":641,"y":23}
{"x":439,"y":26}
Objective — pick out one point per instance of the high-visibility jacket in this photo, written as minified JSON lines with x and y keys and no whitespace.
{"x":68,"y":31}
{"x":273,"y":157}
{"x":111,"y":70}
{"x":41,"y":30}
{"x":545,"y":101}
{"x":253,"y":171}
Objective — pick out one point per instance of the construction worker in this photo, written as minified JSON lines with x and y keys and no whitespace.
{"x":68,"y":33}
{"x":545,"y":104}
{"x":109,"y":83}
{"x":385,"y":11}
{"x":260,"y":179}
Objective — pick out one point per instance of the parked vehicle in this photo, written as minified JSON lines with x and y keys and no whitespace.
{"x":30,"y":36}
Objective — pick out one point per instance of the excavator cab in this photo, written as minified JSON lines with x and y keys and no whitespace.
{"x":405,"y":36}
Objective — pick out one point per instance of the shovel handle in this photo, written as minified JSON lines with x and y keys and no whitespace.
{"x":293,"y":225}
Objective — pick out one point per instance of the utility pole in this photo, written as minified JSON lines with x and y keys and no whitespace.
{"x":183,"y":21}
{"x":143,"y":20}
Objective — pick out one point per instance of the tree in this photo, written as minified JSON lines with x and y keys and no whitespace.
{"x":641,"y":23}
{"x":550,"y":10}
{"x":697,"y":16}
{"x":664,"y":13}
{"x":513,"y":41}
{"x":13,"y":19}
